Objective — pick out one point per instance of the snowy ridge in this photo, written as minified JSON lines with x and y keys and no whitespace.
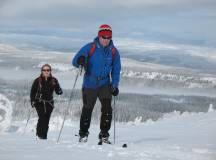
{"x":156,"y":74}
{"x":138,"y":46}
{"x":189,"y":80}
{"x":5,"y":113}
{"x":177,"y":114}
{"x":170,"y":116}
{"x":187,"y":136}
{"x":55,"y":122}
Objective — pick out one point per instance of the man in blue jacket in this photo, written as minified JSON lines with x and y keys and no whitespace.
{"x":101,"y":61}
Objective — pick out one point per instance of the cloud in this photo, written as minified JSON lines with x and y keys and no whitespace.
{"x":54,"y":9}
{"x":185,"y":20}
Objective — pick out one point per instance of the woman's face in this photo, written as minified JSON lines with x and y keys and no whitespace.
{"x":46,"y":71}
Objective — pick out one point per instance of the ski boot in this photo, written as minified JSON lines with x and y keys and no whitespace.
{"x":104,"y":138}
{"x":83,"y":136}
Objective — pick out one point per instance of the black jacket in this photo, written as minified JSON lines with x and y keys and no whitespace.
{"x":43,"y":89}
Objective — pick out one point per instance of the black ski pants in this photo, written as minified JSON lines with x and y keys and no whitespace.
{"x":44,"y":110}
{"x":89,"y":99}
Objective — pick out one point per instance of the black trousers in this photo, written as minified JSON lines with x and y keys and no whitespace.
{"x":44,"y":111}
{"x":89,"y":99}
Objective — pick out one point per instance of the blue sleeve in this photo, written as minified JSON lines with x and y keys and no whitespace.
{"x":116,"y":70}
{"x":82,"y":52}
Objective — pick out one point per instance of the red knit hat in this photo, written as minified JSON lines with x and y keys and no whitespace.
{"x":105,"y":30}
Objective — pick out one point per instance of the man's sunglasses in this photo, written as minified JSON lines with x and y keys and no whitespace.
{"x":104,"y":37}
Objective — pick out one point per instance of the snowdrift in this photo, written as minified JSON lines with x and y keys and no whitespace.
{"x":5,"y":113}
{"x":188,"y":136}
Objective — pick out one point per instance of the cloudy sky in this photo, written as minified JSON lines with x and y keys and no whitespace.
{"x":173,"y":21}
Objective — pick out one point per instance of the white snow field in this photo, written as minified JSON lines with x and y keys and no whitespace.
{"x":5,"y":113}
{"x":189,"y":136}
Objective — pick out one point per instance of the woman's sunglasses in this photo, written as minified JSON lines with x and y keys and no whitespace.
{"x":46,"y":70}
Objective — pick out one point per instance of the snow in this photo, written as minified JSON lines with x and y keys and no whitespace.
{"x":173,"y":100}
{"x":137,"y":77}
{"x":17,"y":68}
{"x":211,"y":109}
{"x":138,"y":46}
{"x":187,"y":136}
{"x":5,"y":113}
{"x":176,"y":136}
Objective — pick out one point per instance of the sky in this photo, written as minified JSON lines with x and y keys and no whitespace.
{"x":169,"y":32}
{"x":173,"y":21}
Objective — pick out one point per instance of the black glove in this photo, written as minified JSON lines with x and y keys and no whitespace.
{"x":59,"y":91}
{"x":33,"y":104}
{"x":82,"y":61}
{"x":114,"y":91}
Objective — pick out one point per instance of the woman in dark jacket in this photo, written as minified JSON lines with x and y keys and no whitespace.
{"x":42,"y":98}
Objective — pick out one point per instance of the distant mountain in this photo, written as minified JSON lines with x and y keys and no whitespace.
{"x":136,"y":76}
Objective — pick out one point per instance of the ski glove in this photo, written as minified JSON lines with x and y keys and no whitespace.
{"x":82,"y":62}
{"x":33,"y":104}
{"x":59,"y":92}
{"x":114,"y":91}
{"x":58,"y":89}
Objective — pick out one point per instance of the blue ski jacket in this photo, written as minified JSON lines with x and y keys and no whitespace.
{"x":103,"y":68}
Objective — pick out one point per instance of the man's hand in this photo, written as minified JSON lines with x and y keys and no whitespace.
{"x":114,"y":91}
{"x":82,"y":62}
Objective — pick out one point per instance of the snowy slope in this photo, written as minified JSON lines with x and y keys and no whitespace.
{"x":136,"y":76}
{"x":5,"y":113}
{"x":175,"y":137}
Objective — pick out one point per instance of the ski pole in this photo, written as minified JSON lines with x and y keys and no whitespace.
{"x":29,"y":116}
{"x":114,"y":117}
{"x":65,"y":113}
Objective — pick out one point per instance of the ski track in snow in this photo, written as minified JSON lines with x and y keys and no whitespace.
{"x":174,"y":137}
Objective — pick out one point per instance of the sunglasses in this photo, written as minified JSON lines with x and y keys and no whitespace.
{"x":46,"y":70}
{"x":108,"y":38}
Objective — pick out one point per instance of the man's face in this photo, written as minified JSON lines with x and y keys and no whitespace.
{"x":104,"y":41}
